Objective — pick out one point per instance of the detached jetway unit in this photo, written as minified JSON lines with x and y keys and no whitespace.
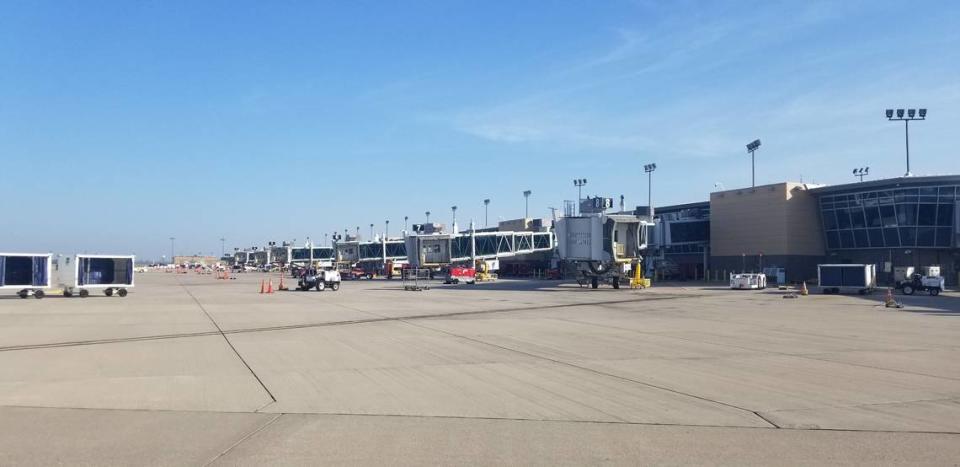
{"x":27,"y":273}
{"x":82,"y":273}
{"x":602,"y":246}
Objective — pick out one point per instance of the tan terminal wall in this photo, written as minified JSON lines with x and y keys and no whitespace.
{"x":780,"y":219}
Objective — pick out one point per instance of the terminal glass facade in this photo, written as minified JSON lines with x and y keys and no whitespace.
{"x":902,"y":217}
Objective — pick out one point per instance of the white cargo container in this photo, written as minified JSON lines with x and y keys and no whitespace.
{"x":841,"y":278}
{"x":27,"y":273}
{"x":110,"y":273}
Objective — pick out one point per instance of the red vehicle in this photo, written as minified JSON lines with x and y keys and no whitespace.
{"x":355,"y":274}
{"x":458,"y":274}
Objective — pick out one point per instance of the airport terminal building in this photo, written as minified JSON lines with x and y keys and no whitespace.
{"x":905,"y":221}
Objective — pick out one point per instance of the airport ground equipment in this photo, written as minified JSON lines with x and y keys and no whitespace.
{"x":27,"y":273}
{"x":417,"y":279}
{"x":484,"y":270}
{"x":603,"y":247}
{"x":319,"y":279}
{"x":82,"y":273}
{"x":458,"y":274}
{"x":919,"y":283}
{"x":847,"y":278}
{"x":748,"y":281}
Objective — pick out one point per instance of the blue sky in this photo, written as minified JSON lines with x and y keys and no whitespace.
{"x":125,"y":123}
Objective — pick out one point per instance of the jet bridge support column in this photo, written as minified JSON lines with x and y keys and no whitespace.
{"x":473,"y":245}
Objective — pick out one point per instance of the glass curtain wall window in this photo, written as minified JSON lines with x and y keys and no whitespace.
{"x":906,"y":217}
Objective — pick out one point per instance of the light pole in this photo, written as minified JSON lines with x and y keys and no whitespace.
{"x":911,"y":115}
{"x":486,"y":218}
{"x":171,"y":248}
{"x":358,"y":234}
{"x":386,"y":229}
{"x":324,"y":239}
{"x":405,"y":223}
{"x":752,"y":148}
{"x":454,"y":209}
{"x":428,"y":216}
{"x":526,"y":204}
{"x":371,"y":231}
{"x":649,"y":168}
{"x":861,"y":172}
{"x":579,"y":183}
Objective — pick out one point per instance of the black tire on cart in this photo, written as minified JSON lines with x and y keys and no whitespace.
{"x":320,"y":285}
{"x":122,"y":292}
{"x":935,"y":291}
{"x":616,"y":282}
{"x":908,"y":290}
{"x":38,"y":294}
{"x":594,"y":282}
{"x":84,"y":293}
{"x":335,"y":286}
{"x":23,"y":294}
{"x":67,"y":293}
{"x":108,"y":292}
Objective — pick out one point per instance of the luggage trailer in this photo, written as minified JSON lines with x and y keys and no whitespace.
{"x":27,"y":273}
{"x":109,"y":273}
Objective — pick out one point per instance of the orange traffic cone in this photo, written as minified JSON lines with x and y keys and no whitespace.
{"x":270,"y":286}
{"x":888,"y":300}
{"x":263,"y":286}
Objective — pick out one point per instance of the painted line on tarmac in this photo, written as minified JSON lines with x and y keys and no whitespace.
{"x":332,"y":323}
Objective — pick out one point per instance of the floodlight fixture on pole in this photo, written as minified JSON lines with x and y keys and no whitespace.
{"x":911,"y":114}
{"x":752,"y":148}
{"x":486,"y":204}
{"x":579,"y":183}
{"x":861,"y":172}
{"x":649,"y":168}
{"x":526,"y":204}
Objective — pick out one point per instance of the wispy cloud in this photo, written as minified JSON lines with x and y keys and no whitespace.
{"x":694,"y":84}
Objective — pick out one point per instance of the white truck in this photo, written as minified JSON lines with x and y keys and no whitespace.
{"x":602,"y":246}
{"x":910,"y":283}
{"x":319,"y":279}
{"x":748,"y":281}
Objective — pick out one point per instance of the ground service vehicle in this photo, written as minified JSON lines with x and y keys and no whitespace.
{"x":747,"y":281}
{"x":917,"y":283}
{"x":840,"y":278}
{"x":319,"y":279}
{"x":458,"y":274}
{"x":603,"y":247}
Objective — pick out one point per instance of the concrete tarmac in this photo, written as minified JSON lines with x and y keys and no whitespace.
{"x":190,"y":370}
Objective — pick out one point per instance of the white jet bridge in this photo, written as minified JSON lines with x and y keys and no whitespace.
{"x":440,"y":249}
{"x":377,"y":251}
